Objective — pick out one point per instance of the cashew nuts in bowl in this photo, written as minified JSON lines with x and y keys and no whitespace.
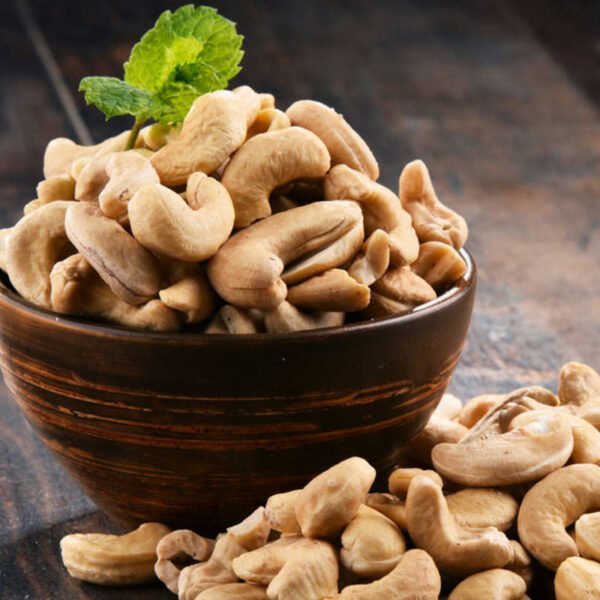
{"x":275,"y":212}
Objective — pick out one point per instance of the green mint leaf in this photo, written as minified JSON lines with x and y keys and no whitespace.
{"x":115,"y":97}
{"x":189,"y":52}
{"x":193,"y":50}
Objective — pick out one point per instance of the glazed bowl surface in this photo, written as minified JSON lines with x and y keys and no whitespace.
{"x":198,"y":430}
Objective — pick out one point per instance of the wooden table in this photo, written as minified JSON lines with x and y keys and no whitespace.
{"x":500,"y":100}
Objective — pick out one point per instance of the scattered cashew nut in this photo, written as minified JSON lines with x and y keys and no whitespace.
{"x":113,"y":559}
{"x":280,"y":512}
{"x":553,"y":504}
{"x":494,"y":584}
{"x":372,"y":544}
{"x":215,"y":571}
{"x":587,"y":535}
{"x":291,"y":567}
{"x":456,"y":550}
{"x":414,"y":577}
{"x":174,"y":546}
{"x":331,"y":500}
{"x":483,"y":507}
{"x":527,"y":453}
{"x":577,"y":578}
{"x":400,"y":479}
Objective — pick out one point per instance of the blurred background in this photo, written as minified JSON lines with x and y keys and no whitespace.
{"x":500,"y":99}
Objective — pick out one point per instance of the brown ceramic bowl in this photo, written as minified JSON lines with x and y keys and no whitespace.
{"x":198,"y":430}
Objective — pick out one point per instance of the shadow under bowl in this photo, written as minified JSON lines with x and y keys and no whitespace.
{"x":198,"y":430}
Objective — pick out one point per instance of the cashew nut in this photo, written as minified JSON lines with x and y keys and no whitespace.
{"x":78,"y":290}
{"x":577,"y":578}
{"x":432,"y":220}
{"x":174,"y":546}
{"x":333,"y":290}
{"x":280,"y":512}
{"x":437,"y":431}
{"x":587,"y":535}
{"x":58,"y":187}
{"x":527,"y":453}
{"x":331,"y":500}
{"x":439,"y":265}
{"x":230,"y":319}
{"x":373,"y":260}
{"x":553,"y":504}
{"x":164,"y":223}
{"x":397,"y":291}
{"x":113,"y":559}
{"x":456,"y":550}
{"x":382,"y":210}
{"x":390,"y":506}
{"x":482,"y":507}
{"x":239,"y":591}
{"x":157,"y":135}
{"x":372,"y":544}
{"x":34,"y":245}
{"x":250,"y":102}
{"x":343,"y":143}
{"x":268,"y":119}
{"x":215,"y":571}
{"x":414,"y":577}
{"x":131,"y":272}
{"x":478,"y":407}
{"x":61,"y":153}
{"x":494,"y":584}
{"x":292,"y":567}
{"x":188,"y":290}
{"x":113,"y":179}
{"x":266,"y":100}
{"x":214,"y":127}
{"x":253,"y":531}
{"x":448,"y":407}
{"x":586,"y":438}
{"x":579,"y":387}
{"x":498,"y":418}
{"x":267,"y":161}
{"x":399,"y":480}
{"x":248,"y":270}
{"x":4,"y":233}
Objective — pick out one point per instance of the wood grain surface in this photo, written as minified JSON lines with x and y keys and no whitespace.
{"x":500,"y":99}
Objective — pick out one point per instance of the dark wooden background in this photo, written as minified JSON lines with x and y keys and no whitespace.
{"x":501,"y":99}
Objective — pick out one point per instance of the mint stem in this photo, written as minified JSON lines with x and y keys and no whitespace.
{"x":133,"y":134}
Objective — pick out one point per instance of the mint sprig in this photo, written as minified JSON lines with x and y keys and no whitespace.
{"x":189,"y":52}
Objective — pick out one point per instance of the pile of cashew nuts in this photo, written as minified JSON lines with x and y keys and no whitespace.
{"x":244,"y":219}
{"x":490,"y":496}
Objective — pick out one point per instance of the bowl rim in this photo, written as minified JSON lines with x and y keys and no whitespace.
{"x":83,"y":325}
